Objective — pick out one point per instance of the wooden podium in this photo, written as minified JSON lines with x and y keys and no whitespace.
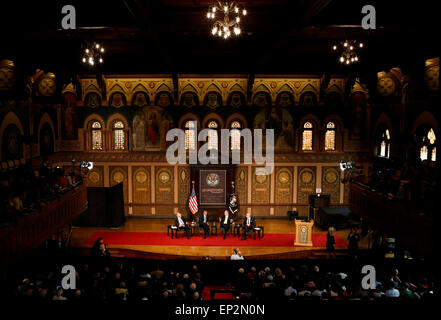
{"x":303,"y":233}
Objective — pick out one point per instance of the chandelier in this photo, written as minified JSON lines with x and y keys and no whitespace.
{"x":92,"y":54}
{"x":228,"y":23}
{"x":347,"y":51}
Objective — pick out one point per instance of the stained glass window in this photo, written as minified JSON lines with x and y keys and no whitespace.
{"x":433,"y":157}
{"x":119,"y":136}
{"x":383,"y":149}
{"x":212,"y":135}
{"x":97,"y":137}
{"x":190,"y":143}
{"x":235,"y":135}
{"x":330,"y":136}
{"x":384,"y":144}
{"x":307,"y":136}
{"x":428,"y":147}
{"x":423,"y":153}
{"x":431,"y":136}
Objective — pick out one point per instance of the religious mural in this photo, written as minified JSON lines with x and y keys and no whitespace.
{"x":236,"y":99}
{"x":117,"y":100}
{"x":358,"y":103}
{"x":69,"y":124}
{"x":262,"y":99}
{"x":150,"y":126}
{"x":213,"y":100}
{"x":140,"y":99}
{"x":285,"y":99}
{"x":280,"y":120}
{"x":189,"y":99}
{"x":163,"y":99}
{"x":12,"y":147}
{"x":92,"y":100}
{"x":308,"y":99}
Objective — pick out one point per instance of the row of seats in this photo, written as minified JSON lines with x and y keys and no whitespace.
{"x":195,"y":229}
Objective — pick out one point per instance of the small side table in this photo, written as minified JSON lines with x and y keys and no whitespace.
{"x":213,"y":227}
{"x":259,"y":232}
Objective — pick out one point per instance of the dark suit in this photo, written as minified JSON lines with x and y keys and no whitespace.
{"x":203,"y":223}
{"x":185,"y":227}
{"x":225,"y":226}
{"x":248,"y":228}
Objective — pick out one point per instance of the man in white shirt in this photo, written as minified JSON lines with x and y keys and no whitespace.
{"x":249,"y":223}
{"x":237,"y":255}
{"x":181,"y":225}
{"x":225,"y":223}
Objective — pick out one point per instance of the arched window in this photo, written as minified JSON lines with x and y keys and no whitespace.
{"x":307,"y":136}
{"x":119,"y":136}
{"x":235,"y":135}
{"x":97,"y":136}
{"x":428,"y":147}
{"x":330,"y":137}
{"x":212,"y":135}
{"x":190,"y":135}
{"x":384,"y":144}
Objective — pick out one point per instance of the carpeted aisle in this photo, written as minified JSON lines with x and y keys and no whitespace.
{"x":161,"y":239}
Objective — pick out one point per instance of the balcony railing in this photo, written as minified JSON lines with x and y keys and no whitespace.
{"x":395,"y":218}
{"x":30,"y":230}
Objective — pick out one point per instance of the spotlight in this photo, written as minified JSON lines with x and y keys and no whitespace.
{"x":86,"y":165}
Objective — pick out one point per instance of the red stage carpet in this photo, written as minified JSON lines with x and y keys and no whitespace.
{"x":161,"y":239}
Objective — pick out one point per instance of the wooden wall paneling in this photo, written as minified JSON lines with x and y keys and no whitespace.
{"x":331,"y":183}
{"x":141,"y":190}
{"x":283,"y":189}
{"x":164,"y":190}
{"x":117,"y":175}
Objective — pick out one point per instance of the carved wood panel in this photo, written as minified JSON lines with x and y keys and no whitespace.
{"x":306,"y":184}
{"x":331,"y":183}
{"x":117,"y":175}
{"x":260,"y":192}
{"x":284,"y":185}
{"x":164,"y":185}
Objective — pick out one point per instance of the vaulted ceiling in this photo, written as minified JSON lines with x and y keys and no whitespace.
{"x":173,"y":36}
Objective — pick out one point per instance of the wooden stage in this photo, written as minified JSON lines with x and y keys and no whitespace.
{"x":81,"y":234}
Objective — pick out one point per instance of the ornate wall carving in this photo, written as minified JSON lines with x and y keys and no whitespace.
{"x":184,"y":184}
{"x":117,"y":175}
{"x":164,"y":185}
{"x":260,"y":192}
{"x":331,"y":183}
{"x":95,"y":177}
{"x":306,"y":184}
{"x":284,"y":185}
{"x":241,"y":181}
{"x":141,"y":189}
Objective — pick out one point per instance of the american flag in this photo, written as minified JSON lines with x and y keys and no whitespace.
{"x":193,"y":202}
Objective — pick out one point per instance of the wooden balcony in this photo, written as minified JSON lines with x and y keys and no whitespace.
{"x":34,"y":228}
{"x":395,"y":218}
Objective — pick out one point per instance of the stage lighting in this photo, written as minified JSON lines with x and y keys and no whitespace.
{"x":86,"y":165}
{"x":346,"y":165}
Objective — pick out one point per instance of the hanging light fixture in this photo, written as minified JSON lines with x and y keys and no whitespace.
{"x":348,"y":51}
{"x":229,"y":20}
{"x":92,"y":54}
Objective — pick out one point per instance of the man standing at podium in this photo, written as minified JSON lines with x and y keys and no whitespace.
{"x":249,"y":223}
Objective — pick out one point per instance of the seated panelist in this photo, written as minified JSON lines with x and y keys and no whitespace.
{"x":203,"y":223}
{"x":181,"y":225}
{"x":225,"y":222}
{"x":249,"y":223}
